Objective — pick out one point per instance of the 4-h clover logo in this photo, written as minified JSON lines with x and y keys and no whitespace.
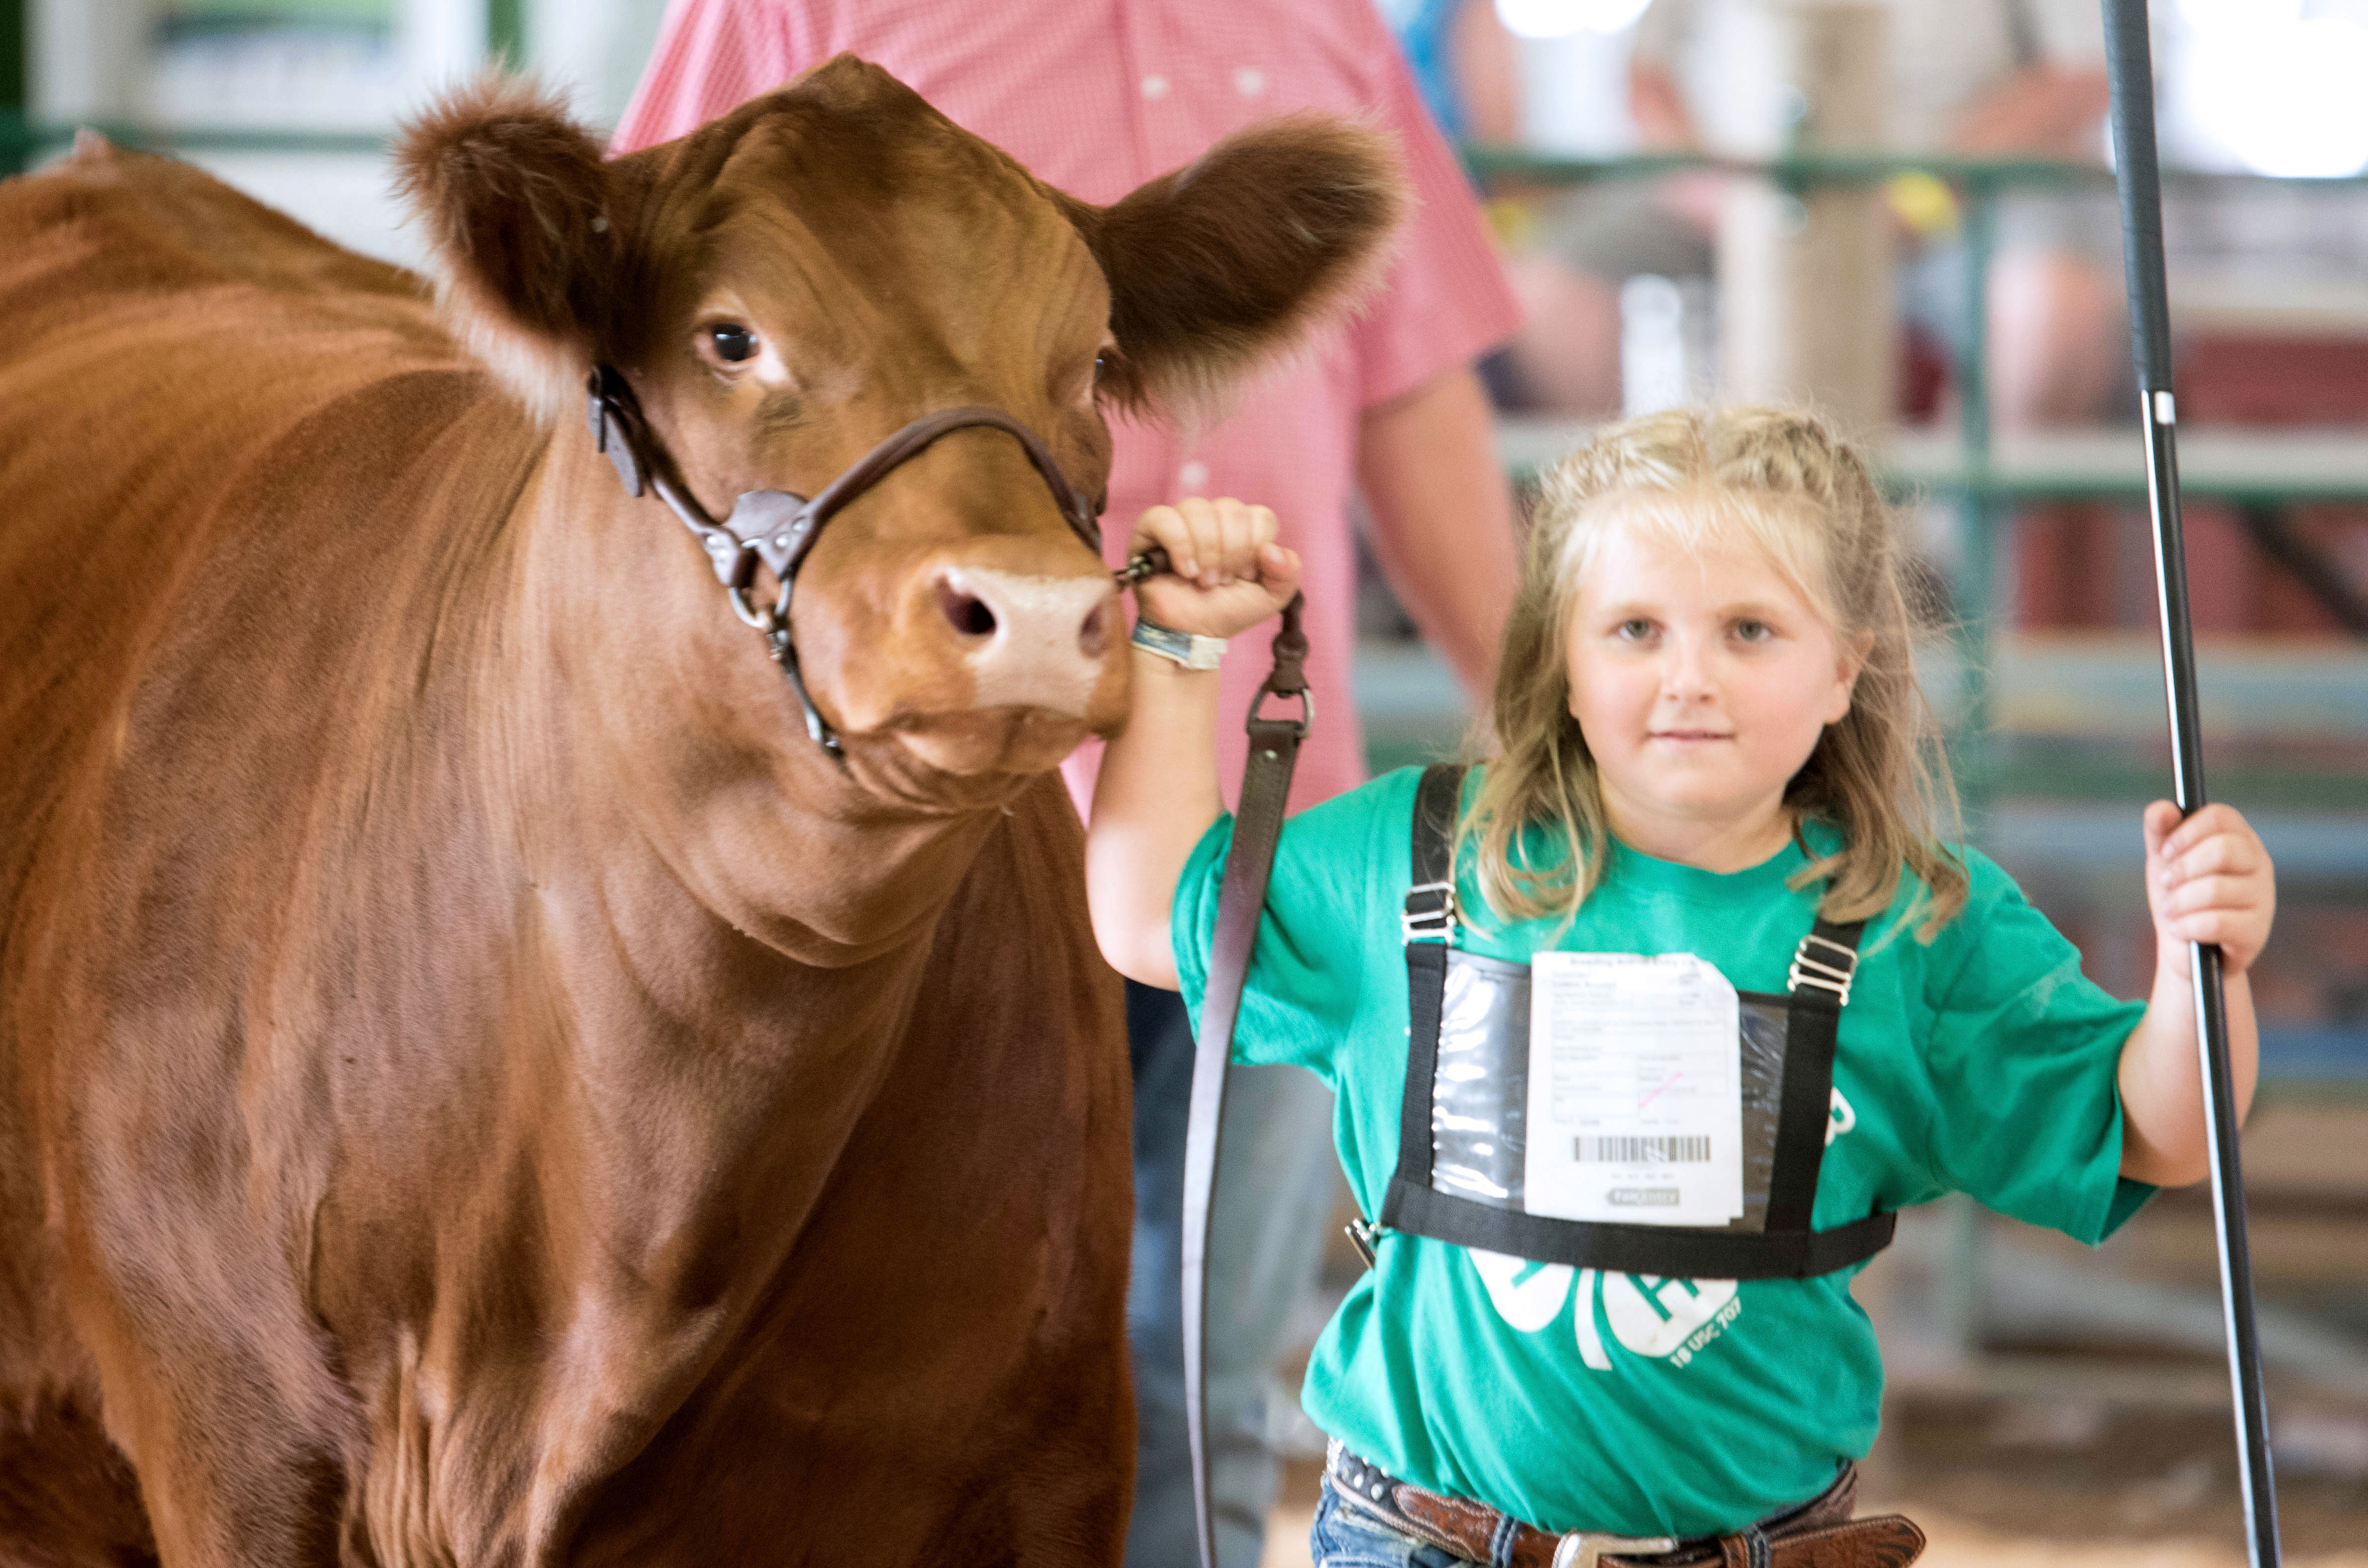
{"x":1648,"y":1314}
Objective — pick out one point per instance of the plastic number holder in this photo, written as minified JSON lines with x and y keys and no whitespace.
{"x":1481,"y":1114}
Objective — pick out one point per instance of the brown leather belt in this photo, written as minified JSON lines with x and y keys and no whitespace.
{"x":1819,"y":1533}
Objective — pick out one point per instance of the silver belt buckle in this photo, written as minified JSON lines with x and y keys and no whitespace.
{"x":1583,"y":1549}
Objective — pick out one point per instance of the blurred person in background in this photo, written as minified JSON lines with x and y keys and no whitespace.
{"x":1096,"y":97}
{"x":1971,"y":78}
{"x":1461,"y":58}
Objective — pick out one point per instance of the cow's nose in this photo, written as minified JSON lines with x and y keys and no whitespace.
{"x":1030,"y":642}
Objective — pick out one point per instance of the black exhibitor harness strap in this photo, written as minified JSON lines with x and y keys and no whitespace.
{"x":1783,"y":1248}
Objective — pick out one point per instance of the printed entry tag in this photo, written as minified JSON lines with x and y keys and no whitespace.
{"x":1635,"y":1111}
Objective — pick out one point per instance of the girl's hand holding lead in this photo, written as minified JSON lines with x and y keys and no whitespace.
{"x":2208,"y":879}
{"x":1156,"y":792}
{"x":1225,"y":574}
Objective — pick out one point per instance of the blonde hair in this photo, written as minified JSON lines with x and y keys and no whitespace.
{"x":1785,"y":482}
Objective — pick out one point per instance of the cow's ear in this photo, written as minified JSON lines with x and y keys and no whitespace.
{"x":521,"y":216}
{"x":1236,"y":258}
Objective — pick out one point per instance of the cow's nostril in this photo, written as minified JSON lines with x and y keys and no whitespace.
{"x":967,"y":612}
{"x":1093,"y":637}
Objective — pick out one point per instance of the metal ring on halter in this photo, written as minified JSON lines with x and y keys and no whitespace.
{"x":765,"y":619}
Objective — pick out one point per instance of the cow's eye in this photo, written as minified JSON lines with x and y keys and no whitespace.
{"x":1101,"y":367}
{"x":733,"y":342}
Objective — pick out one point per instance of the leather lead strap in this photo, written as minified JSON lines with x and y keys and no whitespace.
{"x":1241,"y":903}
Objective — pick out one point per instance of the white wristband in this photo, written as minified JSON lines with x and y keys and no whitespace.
{"x":1192,"y":652}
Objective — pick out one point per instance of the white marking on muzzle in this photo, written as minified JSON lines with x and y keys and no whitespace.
{"x":1037,"y":655}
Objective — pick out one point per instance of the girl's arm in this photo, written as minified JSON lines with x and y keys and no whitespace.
{"x":1156,"y":793}
{"x":2208,"y":879}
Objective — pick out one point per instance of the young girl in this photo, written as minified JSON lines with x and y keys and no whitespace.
{"x":1709,"y":737}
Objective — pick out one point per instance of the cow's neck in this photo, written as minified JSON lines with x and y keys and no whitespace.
{"x":666,"y":950}
{"x":688,"y":745}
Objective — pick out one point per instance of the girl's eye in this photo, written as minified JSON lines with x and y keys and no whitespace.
{"x":1634,"y":630}
{"x":733,"y":342}
{"x":1754,"y":630}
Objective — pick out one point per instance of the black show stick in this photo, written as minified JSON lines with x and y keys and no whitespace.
{"x":2138,"y":173}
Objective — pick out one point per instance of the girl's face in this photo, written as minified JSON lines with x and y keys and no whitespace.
{"x":1701,"y":680}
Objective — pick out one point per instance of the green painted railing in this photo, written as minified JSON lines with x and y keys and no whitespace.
{"x":1983,"y":495}
{"x":15,"y":81}
{"x":25,"y":141}
{"x":1489,"y":163}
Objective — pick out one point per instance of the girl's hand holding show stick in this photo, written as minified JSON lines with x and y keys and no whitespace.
{"x":1158,"y":791}
{"x":2208,"y":879}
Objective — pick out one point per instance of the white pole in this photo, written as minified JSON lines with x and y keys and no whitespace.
{"x":88,"y":58}
{"x":1804,"y":275}
{"x":440,"y":44}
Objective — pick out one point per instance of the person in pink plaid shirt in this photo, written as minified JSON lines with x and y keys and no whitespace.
{"x":1097,"y":97}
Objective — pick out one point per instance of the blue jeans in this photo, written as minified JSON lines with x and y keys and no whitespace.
{"x":1274,"y":1192}
{"x":1345,"y":1537}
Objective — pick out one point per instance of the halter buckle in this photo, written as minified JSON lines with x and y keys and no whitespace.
{"x":777,"y":524}
{"x":734,"y":564}
{"x":1429,"y":913}
{"x":1809,"y":969}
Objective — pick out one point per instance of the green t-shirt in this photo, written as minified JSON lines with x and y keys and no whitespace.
{"x":1982,"y":1063}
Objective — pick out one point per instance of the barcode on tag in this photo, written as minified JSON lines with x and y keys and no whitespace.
{"x":1642,"y":1150}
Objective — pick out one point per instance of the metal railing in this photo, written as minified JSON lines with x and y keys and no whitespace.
{"x":1984,"y":488}
{"x":25,"y":141}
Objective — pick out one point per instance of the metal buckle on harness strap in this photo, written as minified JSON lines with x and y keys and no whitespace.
{"x":1808,"y":969}
{"x":1429,"y":913}
{"x":1584,"y":1548}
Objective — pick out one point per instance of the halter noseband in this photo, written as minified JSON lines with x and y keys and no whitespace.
{"x":778,"y":528}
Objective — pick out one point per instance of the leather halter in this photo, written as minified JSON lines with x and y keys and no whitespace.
{"x":778,"y":528}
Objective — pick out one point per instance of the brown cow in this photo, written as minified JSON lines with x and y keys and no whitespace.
{"x":477,"y":1084}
